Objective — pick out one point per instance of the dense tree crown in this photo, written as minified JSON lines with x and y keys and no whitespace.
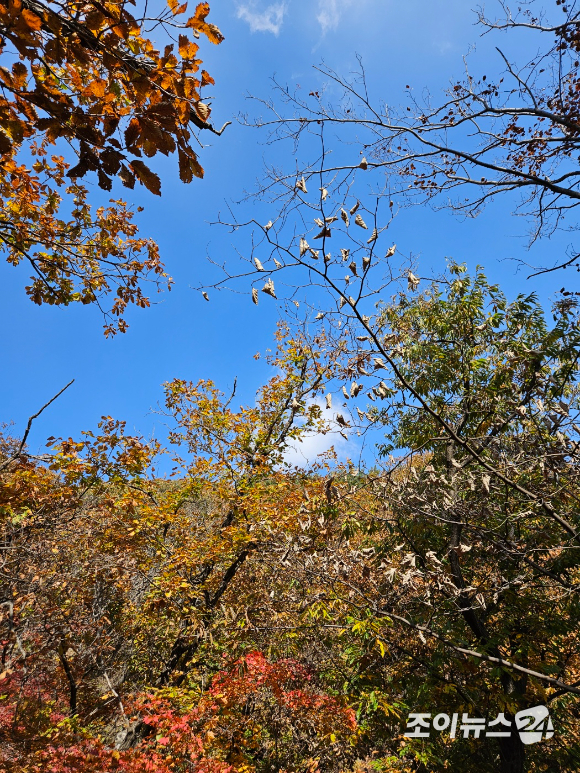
{"x":246,"y":616}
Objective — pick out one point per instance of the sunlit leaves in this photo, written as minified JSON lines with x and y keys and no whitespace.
{"x":92,"y":79}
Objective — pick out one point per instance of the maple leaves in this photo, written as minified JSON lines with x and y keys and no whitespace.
{"x":89,"y":78}
{"x":215,"y":730}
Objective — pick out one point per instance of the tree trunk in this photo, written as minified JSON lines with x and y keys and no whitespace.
{"x":512,"y":753}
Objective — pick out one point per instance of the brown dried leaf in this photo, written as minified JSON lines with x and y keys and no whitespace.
{"x":146,"y":177}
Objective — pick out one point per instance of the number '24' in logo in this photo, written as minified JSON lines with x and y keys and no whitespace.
{"x":534,"y":724}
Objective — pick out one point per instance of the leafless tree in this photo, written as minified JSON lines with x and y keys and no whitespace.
{"x":513,"y":132}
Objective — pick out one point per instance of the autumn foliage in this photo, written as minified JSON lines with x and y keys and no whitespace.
{"x":244,"y":615}
{"x":204,"y":604}
{"x":84,"y":81}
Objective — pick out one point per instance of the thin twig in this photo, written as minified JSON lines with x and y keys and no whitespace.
{"x":18,"y":453}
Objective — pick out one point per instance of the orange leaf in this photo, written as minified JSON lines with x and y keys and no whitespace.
{"x":97,"y":88}
{"x":187,"y":48}
{"x":206,"y":78}
{"x":5,"y":76}
{"x":33,"y":21}
{"x":20,"y":74}
{"x":132,"y":132}
{"x":203,"y":111}
{"x":197,"y":22}
{"x":175,"y":8}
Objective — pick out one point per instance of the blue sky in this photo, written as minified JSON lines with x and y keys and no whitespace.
{"x":418,"y":42}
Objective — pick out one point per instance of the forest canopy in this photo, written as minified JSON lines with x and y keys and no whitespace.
{"x":244,"y":614}
{"x":199,"y":602}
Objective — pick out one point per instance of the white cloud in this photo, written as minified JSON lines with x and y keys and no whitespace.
{"x":269,"y":18}
{"x":330,"y":13}
{"x":304,"y":454}
{"x":263,"y":19}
